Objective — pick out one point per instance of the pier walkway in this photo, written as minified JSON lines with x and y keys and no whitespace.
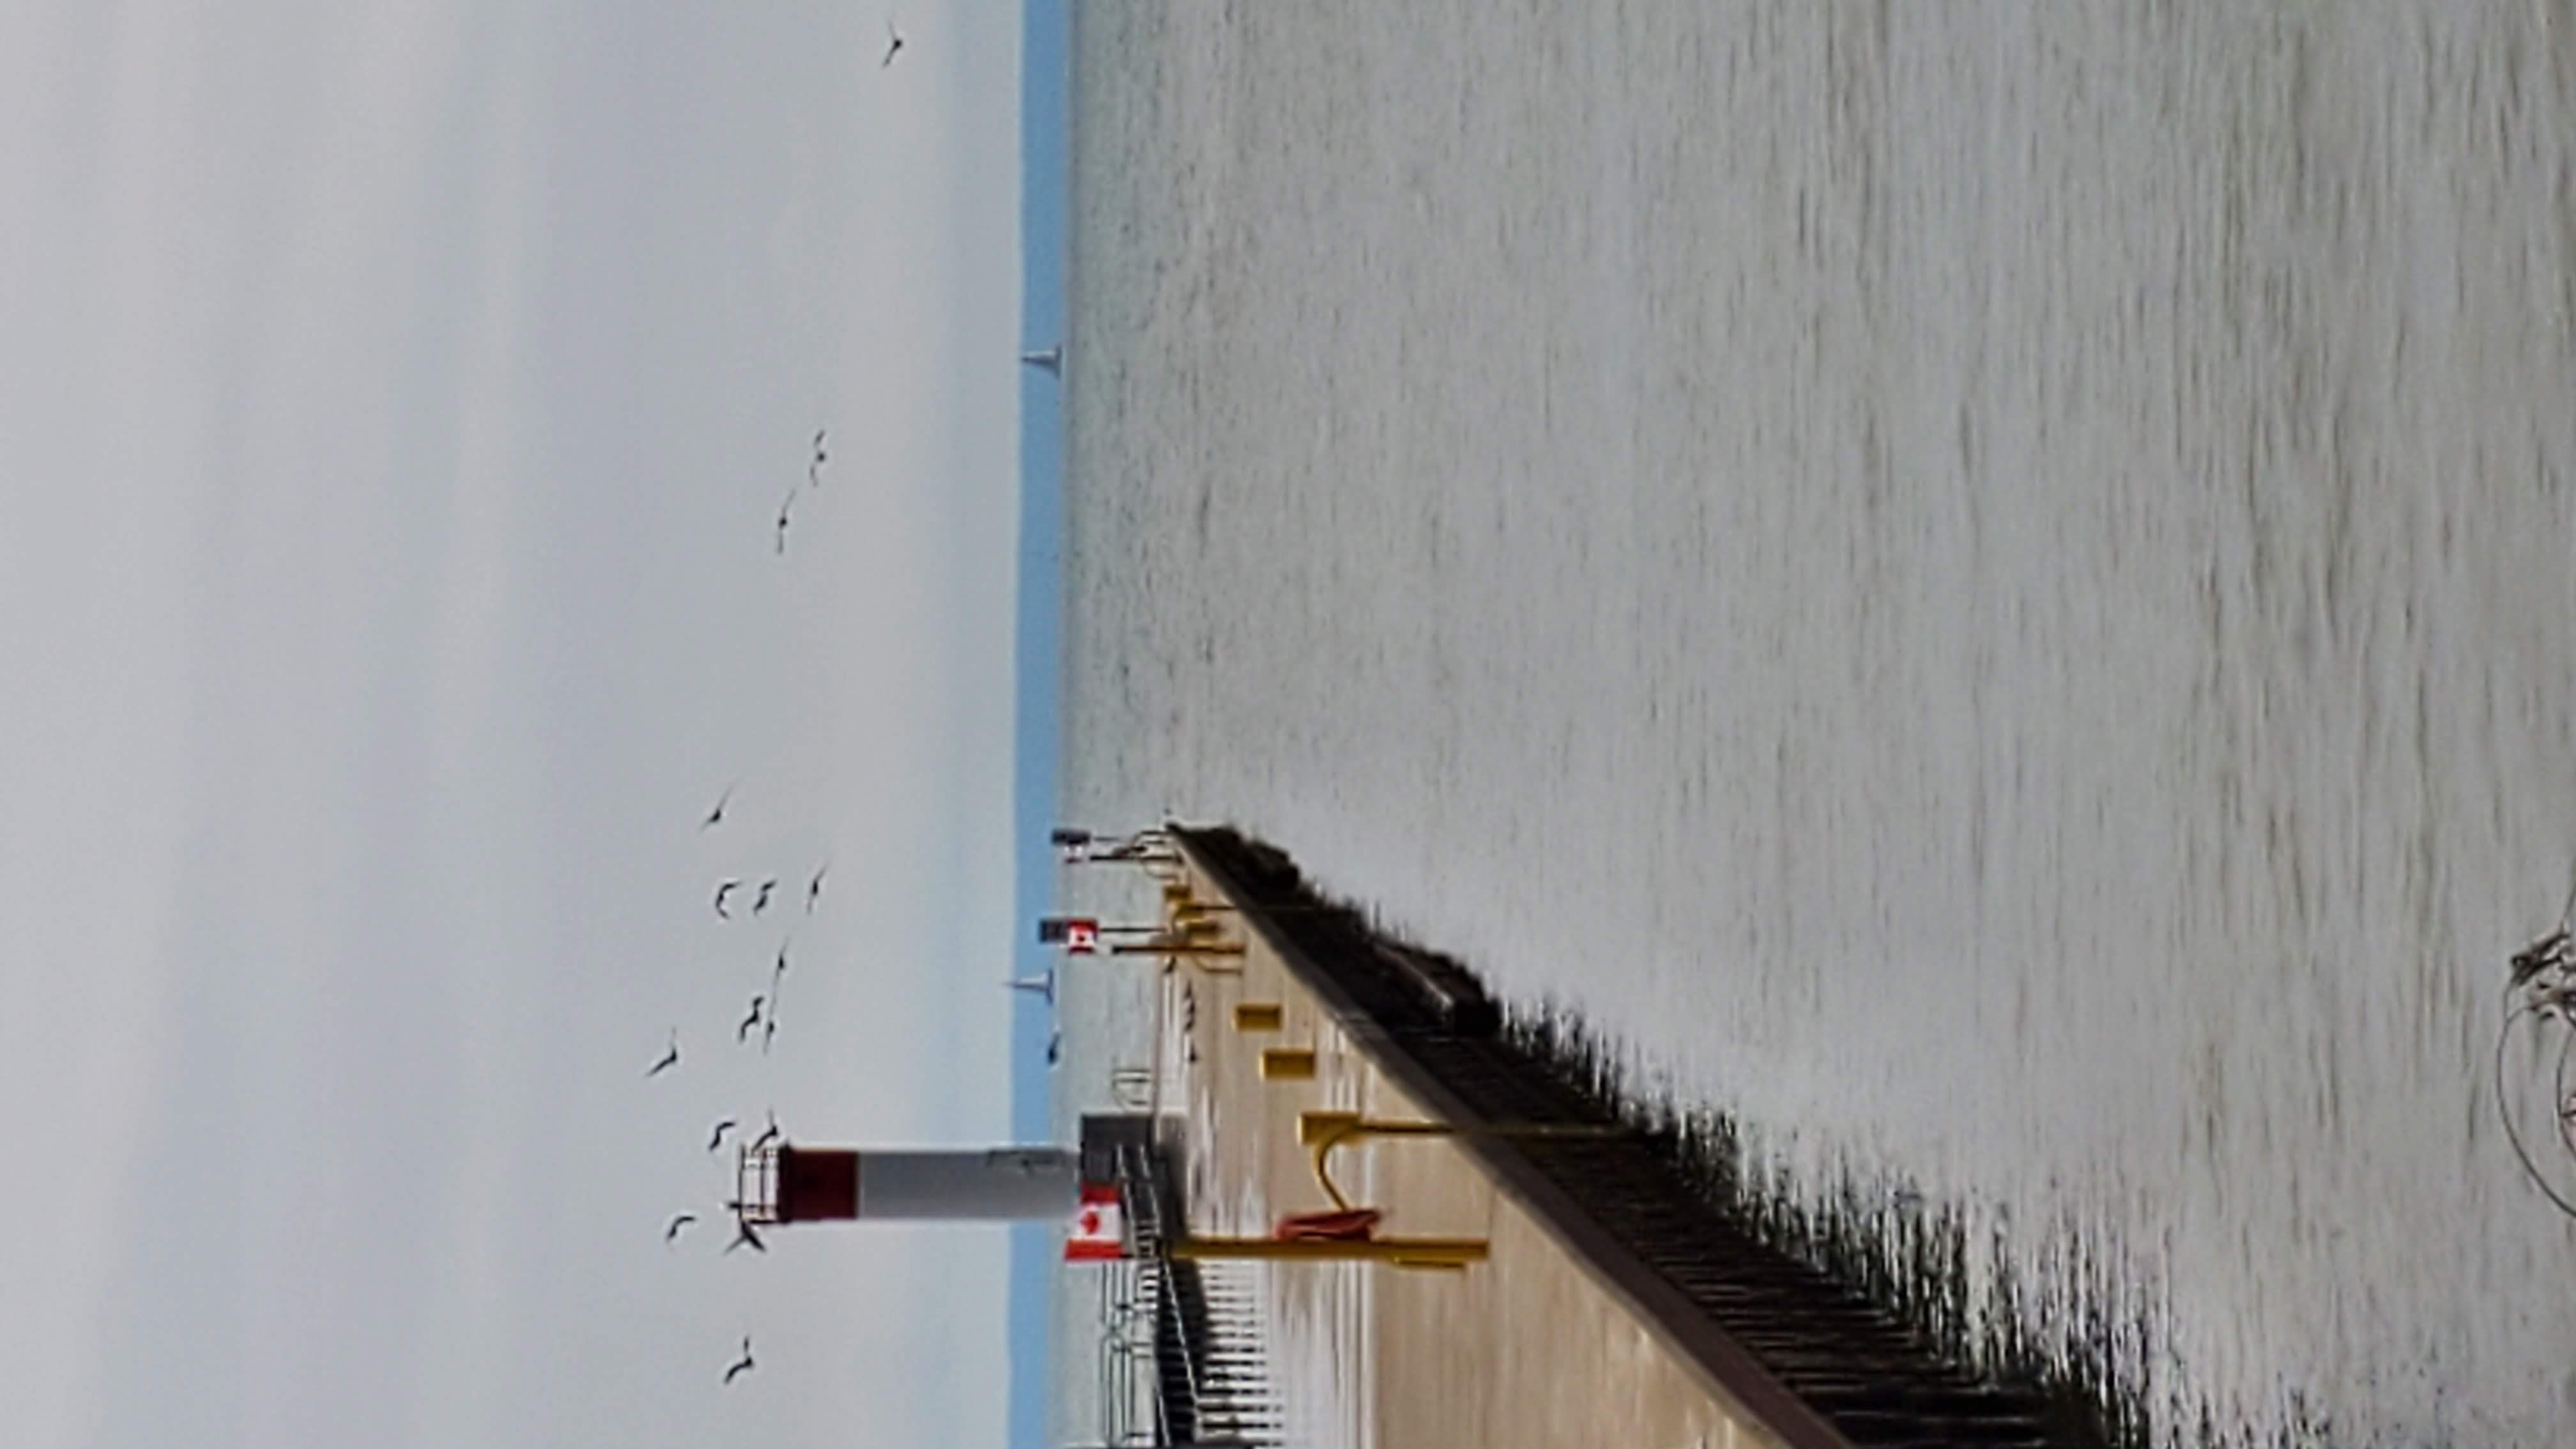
{"x":1616,"y":1308}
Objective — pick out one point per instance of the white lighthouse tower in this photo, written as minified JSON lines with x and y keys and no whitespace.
{"x":793,"y":1184}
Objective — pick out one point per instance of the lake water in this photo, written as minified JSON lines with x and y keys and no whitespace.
{"x":1991,"y":587}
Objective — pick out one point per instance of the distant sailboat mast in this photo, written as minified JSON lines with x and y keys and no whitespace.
{"x":1050,"y":361}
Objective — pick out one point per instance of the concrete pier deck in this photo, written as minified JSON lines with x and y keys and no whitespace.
{"x":1528,"y":1350}
{"x":1626,"y":1298}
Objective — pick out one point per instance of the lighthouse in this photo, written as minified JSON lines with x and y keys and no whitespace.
{"x":792,"y":1184}
{"x":1044,"y":1182}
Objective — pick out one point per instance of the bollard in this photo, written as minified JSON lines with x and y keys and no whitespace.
{"x":1288,"y":1064}
{"x":1258,"y":1016}
{"x":1325,"y":1124}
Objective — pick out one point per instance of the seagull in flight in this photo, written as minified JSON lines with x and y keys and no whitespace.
{"x":768,"y":1033}
{"x":723,"y":890}
{"x":780,"y":969}
{"x":744,"y":1237}
{"x":715,"y":817}
{"x":784,"y":504}
{"x":814,"y":887}
{"x":716,"y":1138}
{"x":752,"y":1019}
{"x":1055,"y":1048}
{"x":671,"y":1233}
{"x":768,"y":1135}
{"x":742,"y":1365}
{"x":760,"y":902}
{"x":669,"y":1059}
{"x":894,"y":42}
{"x":814,"y":469}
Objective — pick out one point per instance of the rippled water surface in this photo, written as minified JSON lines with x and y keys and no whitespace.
{"x":1986,"y":586}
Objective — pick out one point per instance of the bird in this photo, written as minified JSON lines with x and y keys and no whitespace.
{"x":780,"y":968}
{"x":760,"y":902}
{"x":744,"y":1237}
{"x":768,"y":1034}
{"x":742,"y":1365}
{"x":723,"y":890}
{"x":715,"y":817}
{"x":750,"y":1020}
{"x":768,"y":1134}
{"x":814,"y":887}
{"x":671,"y":1233}
{"x":814,"y":469}
{"x":784,"y":504}
{"x":1055,"y":1048}
{"x":669,"y":1059}
{"x":716,"y":1138}
{"x":894,"y":42}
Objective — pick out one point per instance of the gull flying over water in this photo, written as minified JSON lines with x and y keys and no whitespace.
{"x":894,"y":42}
{"x":723,"y":890}
{"x":716,"y":1138}
{"x":744,"y":1237}
{"x":742,"y":1365}
{"x":669,"y":1059}
{"x":760,"y":901}
{"x":814,"y":887}
{"x":814,"y":469}
{"x":671,"y":1232}
{"x":768,"y":1134}
{"x":784,"y":505}
{"x":750,"y":1020}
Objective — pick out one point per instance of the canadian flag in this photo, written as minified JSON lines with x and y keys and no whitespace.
{"x":1082,"y":936}
{"x":1098,"y":1233}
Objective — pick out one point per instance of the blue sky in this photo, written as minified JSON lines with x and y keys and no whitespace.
{"x":1045,"y":158}
{"x":400,"y":398}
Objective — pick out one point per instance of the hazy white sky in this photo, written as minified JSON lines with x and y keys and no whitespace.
{"x":394,"y":400}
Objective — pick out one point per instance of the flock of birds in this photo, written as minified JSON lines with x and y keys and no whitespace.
{"x":762,"y":1012}
{"x":762,"y":1015}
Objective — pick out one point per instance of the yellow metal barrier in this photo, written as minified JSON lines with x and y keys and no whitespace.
{"x":1434,"y":1253}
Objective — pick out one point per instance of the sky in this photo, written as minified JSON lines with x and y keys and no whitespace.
{"x":1045,"y":192}
{"x":397,"y":401}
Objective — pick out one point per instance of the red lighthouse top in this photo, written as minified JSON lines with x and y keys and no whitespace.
{"x":791,"y":1184}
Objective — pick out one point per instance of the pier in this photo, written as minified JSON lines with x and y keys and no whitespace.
{"x":1607,"y":1299}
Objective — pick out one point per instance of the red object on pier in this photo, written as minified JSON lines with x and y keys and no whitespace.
{"x":1344,"y":1225}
